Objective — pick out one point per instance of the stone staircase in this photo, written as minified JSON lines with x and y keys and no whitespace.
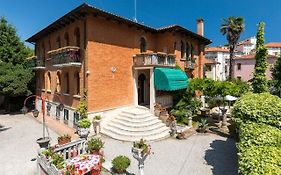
{"x":134,"y":123}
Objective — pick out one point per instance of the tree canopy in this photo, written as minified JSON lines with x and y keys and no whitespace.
{"x":232,"y":27}
{"x":259,"y":80}
{"x":15,"y":70}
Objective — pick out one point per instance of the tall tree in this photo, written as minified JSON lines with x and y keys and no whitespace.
{"x":15,"y":70}
{"x":276,"y":76}
{"x":259,"y":81}
{"x":232,"y":27}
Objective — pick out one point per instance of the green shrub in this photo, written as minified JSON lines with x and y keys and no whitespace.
{"x":82,"y":107}
{"x":121,"y":163}
{"x":261,"y":108}
{"x":95,"y":144}
{"x":58,"y":161}
{"x":259,"y":149}
{"x":84,"y":123}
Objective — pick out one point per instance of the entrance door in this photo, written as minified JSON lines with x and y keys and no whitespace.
{"x":141,"y":84}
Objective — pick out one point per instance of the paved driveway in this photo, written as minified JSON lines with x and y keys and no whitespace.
{"x":18,"y":134}
{"x":201,"y":154}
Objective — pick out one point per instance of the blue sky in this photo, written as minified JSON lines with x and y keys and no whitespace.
{"x":30,"y":16}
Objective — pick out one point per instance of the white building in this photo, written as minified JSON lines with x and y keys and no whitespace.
{"x":219,"y":55}
{"x":246,"y":46}
{"x":274,"y":48}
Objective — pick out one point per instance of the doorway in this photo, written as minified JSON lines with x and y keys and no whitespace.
{"x":141,"y":89}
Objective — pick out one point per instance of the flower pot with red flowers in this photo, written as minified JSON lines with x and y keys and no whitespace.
{"x":64,"y":139}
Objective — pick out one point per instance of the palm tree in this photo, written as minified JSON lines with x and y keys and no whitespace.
{"x":232,"y":27}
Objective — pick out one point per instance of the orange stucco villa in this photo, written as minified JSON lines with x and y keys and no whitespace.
{"x":113,"y":58}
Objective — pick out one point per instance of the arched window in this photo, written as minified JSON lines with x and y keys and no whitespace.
{"x":58,"y":42}
{"x":77,"y":37}
{"x":49,"y":81}
{"x":183,"y":50}
{"x":58,"y":88}
{"x":77,"y":83}
{"x":66,"y":39}
{"x":192,"y":51}
{"x":43,"y":51}
{"x":142,"y":45}
{"x":175,"y":47}
{"x":187,"y":50}
{"x":66,"y":76}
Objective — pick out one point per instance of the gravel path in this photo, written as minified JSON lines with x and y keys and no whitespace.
{"x":18,"y":135}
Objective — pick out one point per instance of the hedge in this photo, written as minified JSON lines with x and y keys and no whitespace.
{"x":260,"y":108}
{"x":259,"y":149}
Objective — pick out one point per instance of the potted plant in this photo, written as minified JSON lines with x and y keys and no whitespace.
{"x":141,"y":147}
{"x":95,"y":145}
{"x":120,"y":164}
{"x":57,"y":161}
{"x":84,"y":127}
{"x":202,"y":126}
{"x":64,"y":139}
{"x":96,"y":122}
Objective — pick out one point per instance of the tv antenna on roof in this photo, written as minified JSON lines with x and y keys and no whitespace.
{"x":135,"y":17}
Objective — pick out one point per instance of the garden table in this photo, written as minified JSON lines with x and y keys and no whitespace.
{"x":86,"y":163}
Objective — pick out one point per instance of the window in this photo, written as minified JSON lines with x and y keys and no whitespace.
{"x":66,"y":39}
{"x":76,"y":118}
{"x":238,"y":66}
{"x":187,"y":51}
{"x":175,"y":47}
{"x":58,"y":87}
{"x":142,"y":45}
{"x":66,"y":76}
{"x":77,"y":37}
{"x":208,"y":68}
{"x":183,"y":50}
{"x":48,"y":81}
{"x":192,"y":51}
{"x":43,"y":50}
{"x":65,"y":115}
{"x":48,"y":106}
{"x":77,"y":80}
{"x":58,"y":42}
{"x":57,"y":112}
{"x":239,"y":77}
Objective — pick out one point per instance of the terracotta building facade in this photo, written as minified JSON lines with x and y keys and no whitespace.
{"x":111,"y":57}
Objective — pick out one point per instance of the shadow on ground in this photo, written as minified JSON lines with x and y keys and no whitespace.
{"x":3,"y":128}
{"x":222,"y":156}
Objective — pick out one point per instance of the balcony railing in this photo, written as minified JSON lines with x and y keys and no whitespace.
{"x":154,"y":59}
{"x":189,"y":65}
{"x":65,"y":57}
{"x":39,"y":63}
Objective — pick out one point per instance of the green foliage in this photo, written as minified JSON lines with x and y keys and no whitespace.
{"x":14,"y":79}
{"x":187,"y":104}
{"x":121,"y":163}
{"x":58,"y":161}
{"x":82,"y":107}
{"x":95,"y":144}
{"x":15,"y":72}
{"x":214,"y":88}
{"x":276,"y":75}
{"x":142,"y":145}
{"x":97,"y":117}
{"x":84,"y":123}
{"x":261,"y":108}
{"x":259,"y":81}
{"x":232,"y":27}
{"x":259,"y":149}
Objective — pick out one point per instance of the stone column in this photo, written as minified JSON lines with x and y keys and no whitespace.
{"x":152,"y":90}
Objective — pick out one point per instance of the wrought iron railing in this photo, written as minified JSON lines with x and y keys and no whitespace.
{"x":65,"y":56}
{"x":154,"y":59}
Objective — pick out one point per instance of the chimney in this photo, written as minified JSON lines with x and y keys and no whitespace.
{"x":200,"y":26}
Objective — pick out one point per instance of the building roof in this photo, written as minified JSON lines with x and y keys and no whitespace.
{"x":251,"y":56}
{"x":273,"y":44}
{"x":216,"y":49}
{"x":85,"y":9}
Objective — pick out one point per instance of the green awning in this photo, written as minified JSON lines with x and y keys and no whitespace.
{"x":168,"y":79}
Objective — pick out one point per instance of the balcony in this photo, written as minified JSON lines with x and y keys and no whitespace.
{"x":39,"y":63}
{"x":154,"y":59}
{"x":65,"y":57}
{"x":189,"y":64}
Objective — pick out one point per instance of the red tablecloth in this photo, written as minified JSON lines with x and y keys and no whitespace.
{"x":85,"y":163}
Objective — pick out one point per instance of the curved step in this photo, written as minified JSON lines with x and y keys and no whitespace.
{"x":137,"y":129}
{"x":136,"y":124}
{"x":136,"y":121}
